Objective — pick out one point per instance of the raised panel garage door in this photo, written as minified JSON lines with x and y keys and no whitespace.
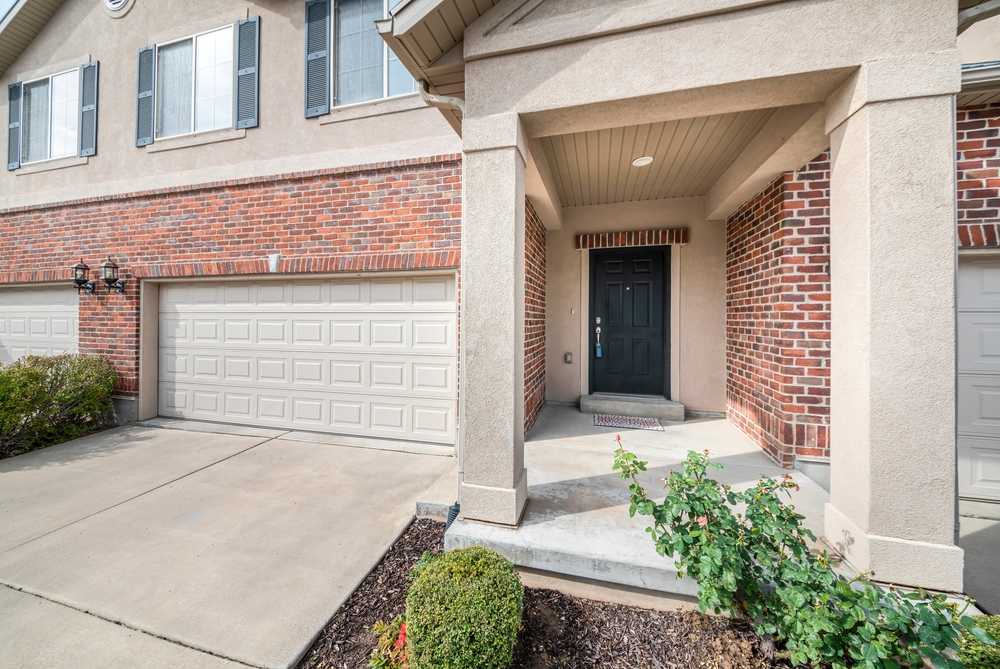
{"x":979,"y":379}
{"x":369,"y":357}
{"x":37,"y":320}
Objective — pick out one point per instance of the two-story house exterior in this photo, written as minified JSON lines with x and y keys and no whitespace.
{"x":418,"y":221}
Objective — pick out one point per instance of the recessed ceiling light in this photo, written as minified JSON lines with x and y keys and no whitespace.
{"x":642,"y":161}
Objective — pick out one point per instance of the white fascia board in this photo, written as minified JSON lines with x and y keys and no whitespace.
{"x":11,"y":13}
{"x":981,"y":76}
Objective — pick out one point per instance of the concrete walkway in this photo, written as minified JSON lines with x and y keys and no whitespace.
{"x":144,"y":547}
{"x":981,"y":542}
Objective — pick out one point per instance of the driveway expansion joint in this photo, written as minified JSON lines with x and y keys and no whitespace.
{"x":31,"y":593}
{"x":134,"y":497}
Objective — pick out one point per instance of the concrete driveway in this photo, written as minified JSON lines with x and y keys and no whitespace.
{"x":146,"y":547}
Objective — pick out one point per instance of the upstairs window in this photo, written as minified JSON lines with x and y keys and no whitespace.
{"x":360,"y":65}
{"x":364,"y":67}
{"x":200,"y":83}
{"x":52,"y":117}
{"x":194,"y":84}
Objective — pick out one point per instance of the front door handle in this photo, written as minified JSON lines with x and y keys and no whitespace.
{"x":598,"y":351}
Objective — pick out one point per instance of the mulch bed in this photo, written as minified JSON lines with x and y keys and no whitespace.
{"x":557,"y":631}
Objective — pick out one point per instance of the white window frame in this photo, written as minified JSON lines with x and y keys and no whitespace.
{"x":194,"y":82}
{"x":334,"y":51}
{"x":48,"y":140}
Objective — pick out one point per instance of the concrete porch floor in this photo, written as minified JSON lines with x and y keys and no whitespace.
{"x":576,"y":522}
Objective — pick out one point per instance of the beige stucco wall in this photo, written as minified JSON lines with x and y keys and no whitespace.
{"x":776,"y":54}
{"x":698,"y":305}
{"x":981,"y":42}
{"x":284,"y":142}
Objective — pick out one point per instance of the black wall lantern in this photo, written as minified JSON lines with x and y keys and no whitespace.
{"x":80,"y":277}
{"x":109,"y":272}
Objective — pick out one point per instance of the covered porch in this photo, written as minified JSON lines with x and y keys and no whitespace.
{"x":557,"y":107}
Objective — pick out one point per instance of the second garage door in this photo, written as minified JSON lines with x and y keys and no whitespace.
{"x":979,"y":379}
{"x":37,"y":320}
{"x":369,"y":357}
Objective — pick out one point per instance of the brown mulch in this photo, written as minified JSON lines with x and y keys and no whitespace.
{"x":558,"y":630}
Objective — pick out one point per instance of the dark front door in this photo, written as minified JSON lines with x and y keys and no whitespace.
{"x":627,"y":303}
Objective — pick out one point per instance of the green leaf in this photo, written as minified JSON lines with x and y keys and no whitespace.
{"x":939,"y":661}
{"x":889,"y":663}
{"x":982,"y":636}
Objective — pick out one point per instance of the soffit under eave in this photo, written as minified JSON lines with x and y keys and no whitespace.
{"x":21,"y":25}
{"x":427,"y":36}
{"x":980,"y":84}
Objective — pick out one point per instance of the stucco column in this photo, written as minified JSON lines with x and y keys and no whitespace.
{"x":494,"y":481}
{"x":892,"y":246}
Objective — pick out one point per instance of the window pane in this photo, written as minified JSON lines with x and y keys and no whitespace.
{"x":35,"y":122}
{"x":214,"y":80}
{"x":173,"y":89}
{"x":65,"y":113}
{"x":400,"y":81}
{"x":359,"y":51}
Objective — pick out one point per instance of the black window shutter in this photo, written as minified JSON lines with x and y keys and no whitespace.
{"x":88,"y":109}
{"x":317,"y":58}
{"x":14,"y":126}
{"x":247,"y":80}
{"x":144,"y":110}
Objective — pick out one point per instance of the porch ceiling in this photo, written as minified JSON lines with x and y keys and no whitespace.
{"x":689,"y":156}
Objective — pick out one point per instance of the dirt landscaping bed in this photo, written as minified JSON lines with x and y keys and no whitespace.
{"x":557,"y":630}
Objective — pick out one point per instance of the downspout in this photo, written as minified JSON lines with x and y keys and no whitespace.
{"x":968,"y":17}
{"x":444,"y":101}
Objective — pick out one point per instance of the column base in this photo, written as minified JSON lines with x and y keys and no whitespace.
{"x":897,"y":561}
{"x":502,"y":506}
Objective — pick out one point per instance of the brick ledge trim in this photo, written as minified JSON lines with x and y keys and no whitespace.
{"x":354,"y":262}
{"x":613,"y":240}
{"x":979,"y":235}
{"x":212,"y":185}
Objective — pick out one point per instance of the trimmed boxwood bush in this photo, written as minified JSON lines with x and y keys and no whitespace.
{"x":463,"y":612}
{"x":976,"y":654}
{"x":46,"y":400}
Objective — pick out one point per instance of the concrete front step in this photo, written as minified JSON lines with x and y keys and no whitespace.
{"x":639,"y":406}
{"x":601,"y":553}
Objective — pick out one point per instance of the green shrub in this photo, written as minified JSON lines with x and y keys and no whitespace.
{"x":46,"y":400}
{"x":463,"y":612}
{"x":757,"y":566}
{"x":976,"y":654}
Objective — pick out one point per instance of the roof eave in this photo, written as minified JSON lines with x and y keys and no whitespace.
{"x":26,"y":28}
{"x":403,"y":18}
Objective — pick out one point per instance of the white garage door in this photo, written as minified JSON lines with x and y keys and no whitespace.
{"x":979,"y":379}
{"x":371,"y":357}
{"x":37,"y":320}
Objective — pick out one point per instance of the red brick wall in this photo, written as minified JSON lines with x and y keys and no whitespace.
{"x":534,"y":316}
{"x":978,"y":145}
{"x":778,"y":315}
{"x":403,"y":215}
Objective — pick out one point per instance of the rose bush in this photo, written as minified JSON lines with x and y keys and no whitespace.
{"x":756,"y":565}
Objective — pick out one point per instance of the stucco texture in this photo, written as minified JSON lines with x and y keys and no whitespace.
{"x":284,"y":142}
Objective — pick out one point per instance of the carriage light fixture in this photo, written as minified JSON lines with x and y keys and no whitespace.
{"x":80,"y":277}
{"x":109,"y":273}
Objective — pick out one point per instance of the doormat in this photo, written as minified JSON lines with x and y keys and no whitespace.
{"x":628,"y":422}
